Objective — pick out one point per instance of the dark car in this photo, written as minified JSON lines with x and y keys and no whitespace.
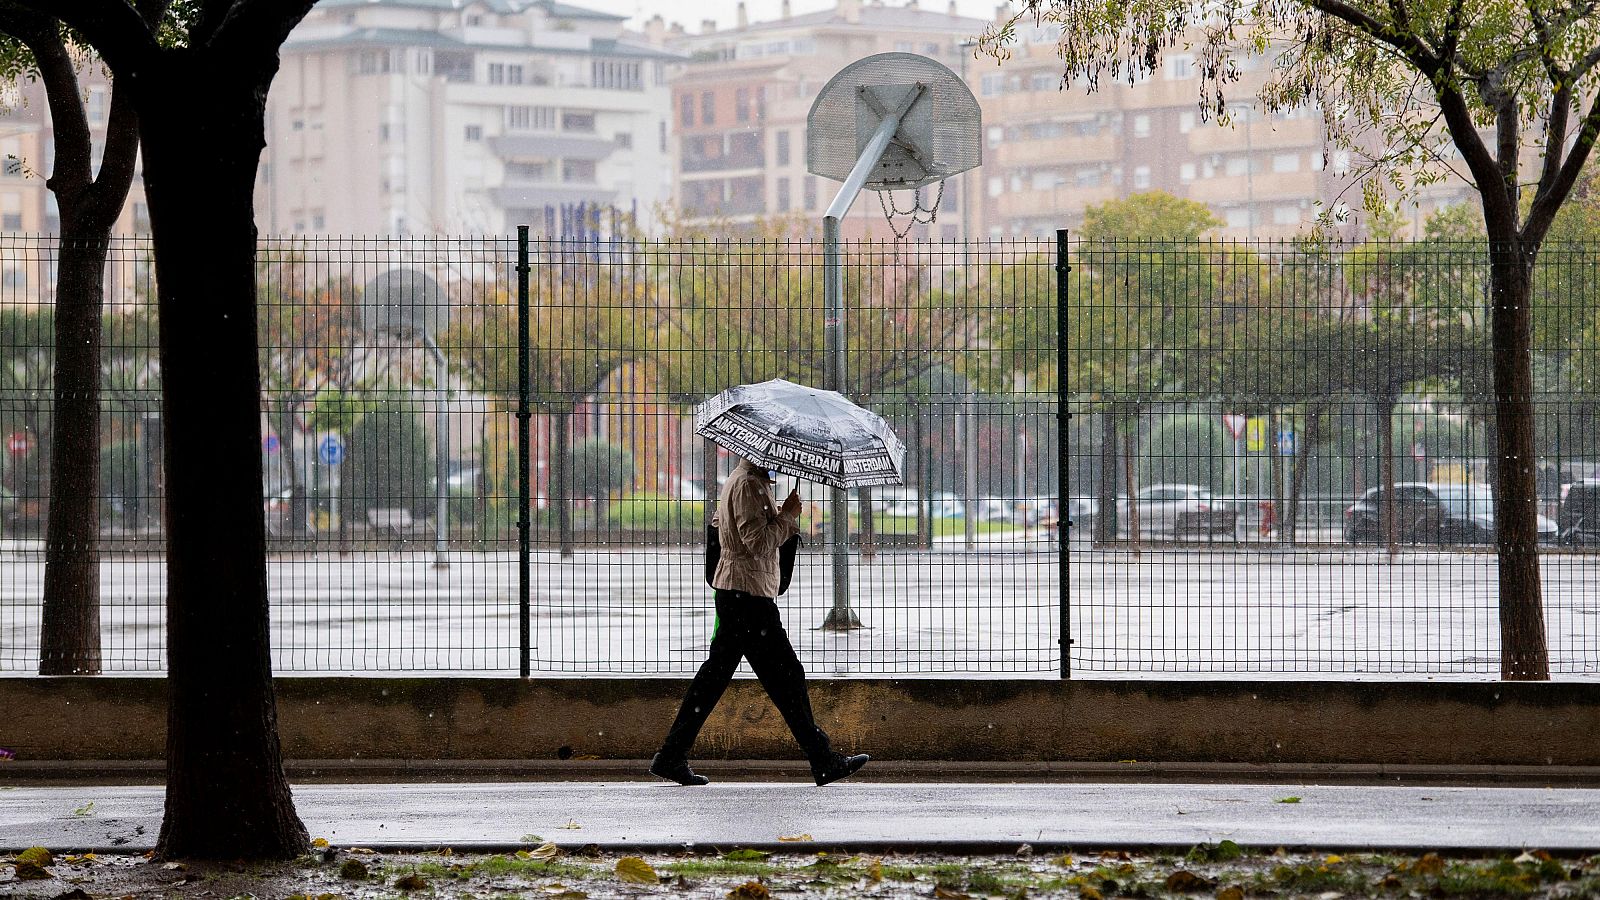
{"x":1429,"y":513}
{"x":1578,"y":521}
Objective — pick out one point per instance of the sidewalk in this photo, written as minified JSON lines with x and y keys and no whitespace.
{"x":855,"y":815}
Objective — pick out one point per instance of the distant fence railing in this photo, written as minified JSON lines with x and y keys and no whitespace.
{"x":393,"y":373}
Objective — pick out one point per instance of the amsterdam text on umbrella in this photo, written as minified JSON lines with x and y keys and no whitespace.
{"x":817,"y":435}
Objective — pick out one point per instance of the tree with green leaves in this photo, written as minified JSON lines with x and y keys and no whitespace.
{"x":586,"y":319}
{"x":198,"y":85}
{"x":1420,"y":81}
{"x":90,"y":195}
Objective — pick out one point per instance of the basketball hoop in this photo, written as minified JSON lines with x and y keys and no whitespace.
{"x":920,"y":215}
{"x":889,"y":122}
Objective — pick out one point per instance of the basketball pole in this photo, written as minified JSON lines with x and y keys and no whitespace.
{"x":841,"y":617}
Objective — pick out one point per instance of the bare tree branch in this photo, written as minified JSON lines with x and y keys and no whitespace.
{"x":71,"y":173}
{"x":257,"y":28}
{"x":112,"y":27}
{"x":1548,"y":201}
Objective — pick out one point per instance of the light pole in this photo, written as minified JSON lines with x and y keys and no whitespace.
{"x":441,"y":454}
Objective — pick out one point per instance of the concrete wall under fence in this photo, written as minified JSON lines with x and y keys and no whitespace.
{"x":1459,"y":724}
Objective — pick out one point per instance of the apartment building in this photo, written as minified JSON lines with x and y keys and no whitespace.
{"x":450,"y":117}
{"x":740,"y":99}
{"x":28,"y":207}
{"x":1052,"y":150}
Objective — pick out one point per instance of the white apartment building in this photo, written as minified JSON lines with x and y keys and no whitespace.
{"x":464,"y":117}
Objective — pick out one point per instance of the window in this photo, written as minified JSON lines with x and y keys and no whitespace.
{"x":580,"y":171}
{"x":997,"y":135}
{"x":904,"y":46}
{"x":992,"y":85}
{"x":1044,"y":81}
{"x":783,"y":148}
{"x":526,"y":171}
{"x":708,"y":108}
{"x":530,"y":118}
{"x":1286,"y":215}
{"x":474,"y":132}
{"x":1141,"y":176}
{"x":318,"y":223}
{"x":783,"y":195}
{"x":661,"y":128}
{"x":1044,"y":180}
{"x":577,"y":121}
{"x":1238,"y":165}
{"x":741,"y":105}
{"x":1141,"y":126}
{"x":811,"y":192}
{"x":686,"y":112}
{"x":1087,"y":178}
{"x":615,"y":75}
{"x":11,"y":166}
{"x":513,"y":74}
{"x":497,"y":73}
{"x":1286,"y":162}
{"x":1185,"y":122}
{"x":1186,"y":172}
{"x":1180,"y":67}
{"x":997,"y":185}
{"x":1238,"y":218}
{"x":96,"y":107}
{"x":624,"y":140}
{"x":1317,"y":161}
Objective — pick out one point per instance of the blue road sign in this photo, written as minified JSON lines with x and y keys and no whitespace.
{"x":1285,"y":443}
{"x":331,"y":450}
{"x":270,"y":443}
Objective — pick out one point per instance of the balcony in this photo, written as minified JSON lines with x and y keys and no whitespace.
{"x":549,"y":146}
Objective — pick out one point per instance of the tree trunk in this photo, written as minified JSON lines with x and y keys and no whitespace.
{"x":1275,"y":469}
{"x":69,"y":639}
{"x":227,"y":797}
{"x":864,"y":506}
{"x":1524,"y":655}
{"x":1133,"y":487}
{"x":1302,"y":462}
{"x":560,"y":466}
{"x":1105,"y":519}
{"x":1388,"y":514}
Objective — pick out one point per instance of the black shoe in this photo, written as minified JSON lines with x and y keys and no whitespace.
{"x":838,"y":766}
{"x":676,"y":770}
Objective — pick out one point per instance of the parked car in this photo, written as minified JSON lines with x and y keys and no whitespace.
{"x":1431,"y":513}
{"x":1578,"y":520}
{"x":1178,"y":511}
{"x":276,"y":508}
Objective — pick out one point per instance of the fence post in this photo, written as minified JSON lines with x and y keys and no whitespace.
{"x":1063,"y":522}
{"x":524,"y":458}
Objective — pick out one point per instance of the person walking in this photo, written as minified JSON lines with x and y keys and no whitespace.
{"x":746,"y":581}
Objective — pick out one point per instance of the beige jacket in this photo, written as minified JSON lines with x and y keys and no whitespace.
{"x":749,"y":561}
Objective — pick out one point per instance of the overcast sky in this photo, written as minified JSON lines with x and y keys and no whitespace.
{"x":725,"y":11}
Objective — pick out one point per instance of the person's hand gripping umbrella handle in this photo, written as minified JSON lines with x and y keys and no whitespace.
{"x":791,"y":503}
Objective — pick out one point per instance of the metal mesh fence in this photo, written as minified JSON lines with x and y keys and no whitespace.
{"x":1259,"y":402}
{"x":1253,"y":400}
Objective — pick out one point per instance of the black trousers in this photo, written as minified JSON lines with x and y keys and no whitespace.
{"x":748,"y":627}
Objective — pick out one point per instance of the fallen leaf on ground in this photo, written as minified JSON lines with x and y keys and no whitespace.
{"x":1115,"y":854}
{"x":545,"y":851}
{"x":39,"y":856}
{"x":175,"y":866}
{"x":1532,"y":856}
{"x":944,"y":893}
{"x":1064,"y":861}
{"x":354,"y":870}
{"x":572,"y":825}
{"x":1231,"y":892}
{"x":793,"y":838}
{"x":412,"y":882}
{"x":1333,"y":859}
{"x":875,"y":870}
{"x":745,"y":853}
{"x":635,"y":870}
{"x":27,"y":871}
{"x":319,"y":843}
{"x":1089,"y":893}
{"x":1429,"y":864}
{"x":1186,"y":882}
{"x":362,"y":851}
{"x":560,"y":891}
{"x":1288,"y":799}
{"x":750,"y":890}
{"x":74,"y":860}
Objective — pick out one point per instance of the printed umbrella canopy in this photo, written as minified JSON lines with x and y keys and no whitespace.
{"x":816,"y":435}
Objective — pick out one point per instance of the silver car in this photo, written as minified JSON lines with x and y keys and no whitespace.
{"x":1179,"y":511}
